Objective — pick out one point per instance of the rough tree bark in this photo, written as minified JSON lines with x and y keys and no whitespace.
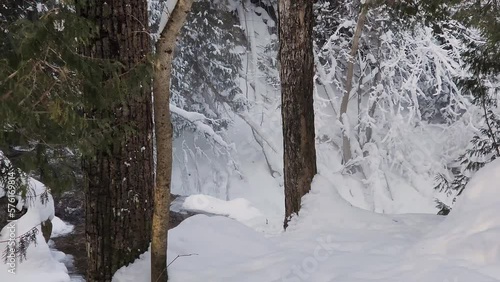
{"x":163,"y":127}
{"x":119,"y":178}
{"x":297,"y":75}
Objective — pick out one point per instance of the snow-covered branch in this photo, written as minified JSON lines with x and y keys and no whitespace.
{"x":197,"y":120}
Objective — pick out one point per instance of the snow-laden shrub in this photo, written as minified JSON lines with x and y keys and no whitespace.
{"x":406,"y":113}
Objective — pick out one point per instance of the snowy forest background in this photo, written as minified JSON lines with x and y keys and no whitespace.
{"x":417,"y":130}
{"x":409,"y":118}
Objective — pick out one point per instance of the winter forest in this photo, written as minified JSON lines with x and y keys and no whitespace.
{"x":249,"y":140}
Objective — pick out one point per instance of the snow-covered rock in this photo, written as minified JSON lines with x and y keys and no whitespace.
{"x":60,"y":228}
{"x":41,"y":264}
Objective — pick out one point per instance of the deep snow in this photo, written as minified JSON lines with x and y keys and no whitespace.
{"x":333,"y":241}
{"x":43,"y":264}
{"x":334,"y":238}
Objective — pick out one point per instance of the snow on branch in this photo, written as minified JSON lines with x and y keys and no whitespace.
{"x":167,"y":9}
{"x":197,"y":120}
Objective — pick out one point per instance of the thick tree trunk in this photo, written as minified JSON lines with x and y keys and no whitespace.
{"x":119,"y":178}
{"x":163,"y":127}
{"x":297,"y":74}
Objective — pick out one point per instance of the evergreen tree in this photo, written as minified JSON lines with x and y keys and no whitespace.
{"x":43,"y":129}
{"x":207,"y":66}
{"x":485,"y":148}
{"x":42,"y":126}
{"x":483,"y":84}
{"x":206,"y":94}
{"x":55,"y":100}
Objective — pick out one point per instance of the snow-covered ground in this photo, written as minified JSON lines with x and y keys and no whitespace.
{"x":42,"y":263}
{"x":333,"y":241}
{"x":330,"y":241}
{"x":234,"y":177}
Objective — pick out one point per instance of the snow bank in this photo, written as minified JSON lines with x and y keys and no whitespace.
{"x":333,"y":241}
{"x":41,"y":264}
{"x":238,"y":209}
{"x":329,"y":239}
{"x":323,"y":205}
{"x":214,"y":244}
{"x":60,"y":228}
{"x":37,"y":210}
{"x":471,"y":231}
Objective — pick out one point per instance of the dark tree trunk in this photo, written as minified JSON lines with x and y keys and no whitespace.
{"x":297,"y":72}
{"x":119,"y":178}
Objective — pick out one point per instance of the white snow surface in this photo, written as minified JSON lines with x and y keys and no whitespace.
{"x":331,"y":240}
{"x":60,"y":228}
{"x":337,"y":236}
{"x":168,"y":7}
{"x":238,"y":209}
{"x":472,"y":230}
{"x":42,"y":263}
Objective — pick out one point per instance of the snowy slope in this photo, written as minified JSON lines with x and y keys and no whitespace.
{"x":42,"y":263}
{"x":333,"y":241}
{"x":470,"y":234}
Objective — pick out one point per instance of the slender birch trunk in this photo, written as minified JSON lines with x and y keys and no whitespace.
{"x":163,"y":127}
{"x":346,"y":146}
